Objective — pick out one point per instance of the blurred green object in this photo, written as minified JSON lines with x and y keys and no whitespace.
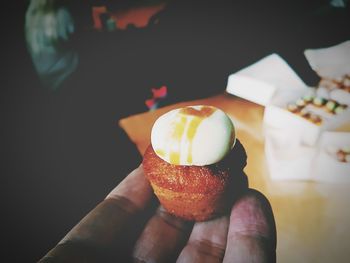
{"x":339,"y":3}
{"x":48,"y":27}
{"x":110,"y":24}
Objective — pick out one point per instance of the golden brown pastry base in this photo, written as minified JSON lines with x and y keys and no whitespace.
{"x":190,"y":206}
{"x":196,"y":193}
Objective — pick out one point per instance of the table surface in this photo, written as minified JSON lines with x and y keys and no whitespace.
{"x":312,"y":218}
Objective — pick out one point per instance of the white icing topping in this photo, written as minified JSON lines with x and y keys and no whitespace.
{"x":194,"y":135}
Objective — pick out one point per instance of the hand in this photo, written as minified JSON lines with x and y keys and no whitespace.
{"x":248,"y":234}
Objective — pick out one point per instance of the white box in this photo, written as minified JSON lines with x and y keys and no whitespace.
{"x":326,"y":166}
{"x":259,"y":82}
{"x":294,"y":146}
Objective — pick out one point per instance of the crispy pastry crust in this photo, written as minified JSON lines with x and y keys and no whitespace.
{"x":190,"y":192}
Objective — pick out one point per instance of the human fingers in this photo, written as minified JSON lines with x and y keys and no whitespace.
{"x":135,"y":188}
{"x":162,"y":239}
{"x":107,"y":222}
{"x":110,"y":216}
{"x":207,"y":242}
{"x":252,"y":231}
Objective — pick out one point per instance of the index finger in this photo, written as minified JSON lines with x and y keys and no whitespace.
{"x":108,"y":221}
{"x":104,"y":222}
{"x":135,"y":188}
{"x":252,"y":231}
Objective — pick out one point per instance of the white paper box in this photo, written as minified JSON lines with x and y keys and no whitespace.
{"x":278,"y":118}
{"x":271,"y":82}
{"x":326,"y":166}
{"x":331,"y":62}
{"x":288,"y":161}
{"x":259,"y":82}
{"x":292,"y":142}
{"x":294,"y":146}
{"x":289,"y":139}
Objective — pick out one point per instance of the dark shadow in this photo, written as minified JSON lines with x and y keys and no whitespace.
{"x":235,"y":162}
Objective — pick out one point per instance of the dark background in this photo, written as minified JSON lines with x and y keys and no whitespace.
{"x":63,"y":151}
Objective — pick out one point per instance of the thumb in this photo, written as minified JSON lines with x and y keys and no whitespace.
{"x":107,"y":221}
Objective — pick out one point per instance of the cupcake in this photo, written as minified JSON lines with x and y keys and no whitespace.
{"x":188,"y":162}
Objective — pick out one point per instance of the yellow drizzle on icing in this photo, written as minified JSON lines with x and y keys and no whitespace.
{"x":198,"y":117}
{"x":160,"y":152}
{"x":175,"y":158}
{"x":203,"y":112}
{"x":179,"y":127}
{"x":191,"y":132}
